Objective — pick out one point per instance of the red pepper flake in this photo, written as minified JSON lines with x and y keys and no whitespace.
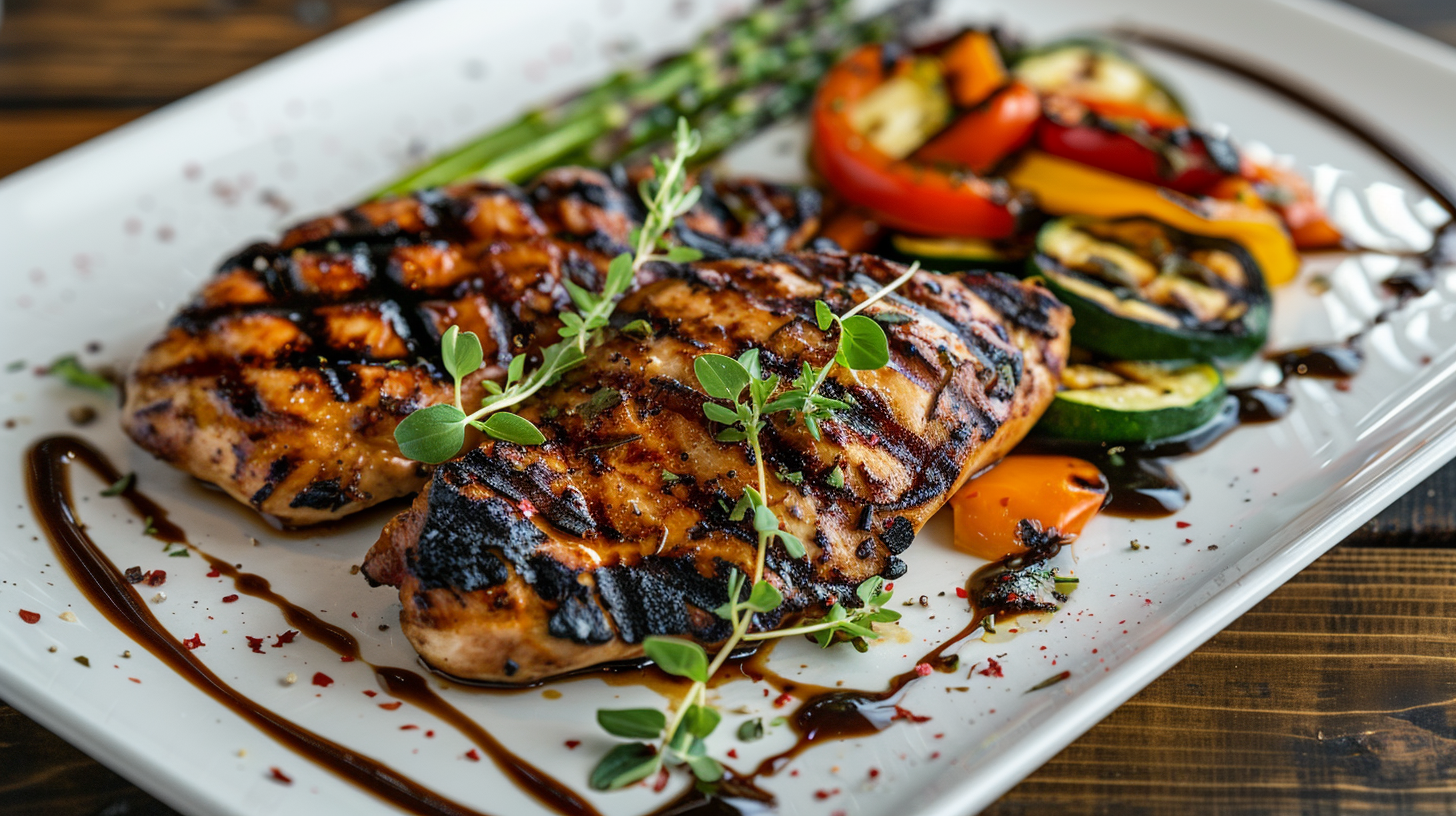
{"x":960,"y":592}
{"x":409,"y":728}
{"x":765,"y":692}
{"x":256,"y":644}
{"x":571,"y":744}
{"x":279,"y":776}
{"x":134,"y":680}
{"x":732,"y":753}
{"x":370,"y":693}
{"x":472,"y":755}
{"x":1148,"y":601}
{"x":1005,"y":500}
{"x":1187,"y":541}
{"x":993,"y":669}
{"x":904,"y":714}
{"x":29,"y":616}
{"x":874,"y":772}
{"x":429,"y":735}
{"x":194,"y":641}
{"x":935,"y":755}
{"x":940,"y":736}
{"x":822,"y":794}
{"x":527,"y":508}
{"x":794,"y":772}
{"x":229,"y":598}
{"x":1342,"y":385}
{"x":214,"y":572}
{"x":923,"y":669}
{"x":353,"y":614}
{"x":155,"y":577}
{"x":889,"y":587}
{"x":321,"y":679}
{"x":782,"y":699}
{"x":1094,"y":651}
{"x":286,"y":637}
{"x":661,"y":783}
{"x":346,"y":658}
{"x":394,"y":706}
{"x":1183,"y":525}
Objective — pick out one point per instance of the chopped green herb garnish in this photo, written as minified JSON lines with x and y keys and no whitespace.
{"x":836,"y":477}
{"x":120,"y":486}
{"x":70,"y":370}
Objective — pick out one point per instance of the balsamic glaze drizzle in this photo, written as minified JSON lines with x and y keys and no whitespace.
{"x":831,"y":714}
{"x":49,"y":485}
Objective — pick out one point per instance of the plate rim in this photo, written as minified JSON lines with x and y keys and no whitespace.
{"x":1309,"y":535}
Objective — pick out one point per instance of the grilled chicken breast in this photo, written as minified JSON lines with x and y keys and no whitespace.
{"x":519,"y":563}
{"x":283,"y":380}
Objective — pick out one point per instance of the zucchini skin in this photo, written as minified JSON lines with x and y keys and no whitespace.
{"x":1099,"y":330}
{"x":1085,"y":422}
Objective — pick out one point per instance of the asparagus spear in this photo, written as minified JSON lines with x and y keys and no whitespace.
{"x":538,"y":138}
{"x":769,"y":55}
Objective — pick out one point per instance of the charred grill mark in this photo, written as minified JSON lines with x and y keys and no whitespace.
{"x":322,"y":494}
{"x":466,"y":543}
{"x":277,"y":472}
{"x":664,"y":596}
{"x":1026,"y":307}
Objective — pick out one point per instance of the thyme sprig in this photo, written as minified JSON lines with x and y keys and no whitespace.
{"x":437,"y":432}
{"x":741,"y":382}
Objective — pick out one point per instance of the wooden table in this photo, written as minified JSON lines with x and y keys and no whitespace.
{"x":1335,"y":694}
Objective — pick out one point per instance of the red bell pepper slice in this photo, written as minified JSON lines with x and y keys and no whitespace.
{"x":902,"y":194}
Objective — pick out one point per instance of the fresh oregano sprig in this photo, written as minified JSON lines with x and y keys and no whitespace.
{"x":862,"y":346}
{"x":437,"y":432}
{"x":740,"y":381}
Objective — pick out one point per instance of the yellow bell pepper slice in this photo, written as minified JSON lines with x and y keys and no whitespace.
{"x":1065,"y":187}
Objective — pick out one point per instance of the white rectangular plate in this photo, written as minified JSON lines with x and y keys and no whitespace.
{"x":103,"y":243}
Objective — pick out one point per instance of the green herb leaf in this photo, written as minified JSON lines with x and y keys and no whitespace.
{"x":675,"y":656}
{"x":619,"y":276}
{"x":705,"y":768}
{"x":749,"y":361}
{"x":764,"y":520}
{"x":120,"y":486}
{"x":869,"y":588}
{"x":863,"y":346}
{"x":148,"y":529}
{"x":795,"y":478}
{"x":431,"y":435}
{"x":585,"y":301}
{"x":668,"y":477}
{"x":701,"y":720}
{"x":632,"y":723}
{"x":731,"y":435}
{"x":462,"y":353}
{"x":824,"y":316}
{"x":515,"y":370}
{"x":180,"y":553}
{"x":69,"y":370}
{"x":792,"y":545}
{"x":624,"y":765}
{"x":682,"y":254}
{"x":835,"y":477}
{"x":751,"y":730}
{"x":638,"y":328}
{"x":718,"y":413}
{"x":765,"y":597}
{"x":722,"y":377}
{"x":511,"y":427}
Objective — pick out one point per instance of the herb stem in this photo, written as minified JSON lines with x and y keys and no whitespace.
{"x":884,"y":290}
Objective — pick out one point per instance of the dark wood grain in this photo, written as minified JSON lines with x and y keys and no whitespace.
{"x":1336,"y":694}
